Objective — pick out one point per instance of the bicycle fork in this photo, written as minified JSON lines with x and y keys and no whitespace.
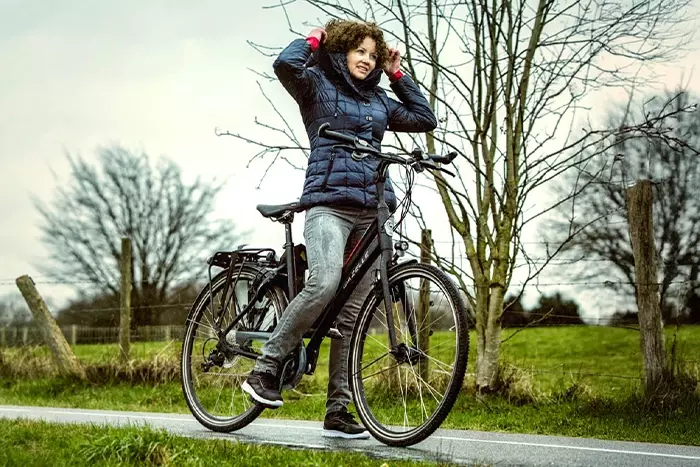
{"x":401,"y":352}
{"x":386,"y":250}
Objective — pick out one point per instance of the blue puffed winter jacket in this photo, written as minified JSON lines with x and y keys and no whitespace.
{"x":326,"y":92}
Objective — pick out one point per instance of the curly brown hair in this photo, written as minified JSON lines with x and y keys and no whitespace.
{"x":345,"y":35}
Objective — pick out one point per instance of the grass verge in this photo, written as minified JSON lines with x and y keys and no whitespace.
{"x":24,"y":442}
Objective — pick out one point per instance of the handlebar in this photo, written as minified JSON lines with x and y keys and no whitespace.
{"x":358,"y":145}
{"x":326,"y":133}
{"x":446,"y":159}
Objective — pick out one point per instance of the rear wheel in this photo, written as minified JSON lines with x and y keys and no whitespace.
{"x":211,"y":382}
{"x":403,"y":396}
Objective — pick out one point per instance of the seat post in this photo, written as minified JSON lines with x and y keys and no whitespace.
{"x":289,"y":252}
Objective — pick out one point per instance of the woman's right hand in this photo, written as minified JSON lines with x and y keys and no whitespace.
{"x":318,"y":33}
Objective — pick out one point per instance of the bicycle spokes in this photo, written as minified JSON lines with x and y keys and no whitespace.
{"x":403,"y":388}
{"x":213,"y":369}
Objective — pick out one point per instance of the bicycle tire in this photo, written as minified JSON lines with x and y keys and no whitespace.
{"x":359,"y":337}
{"x":214,"y":423}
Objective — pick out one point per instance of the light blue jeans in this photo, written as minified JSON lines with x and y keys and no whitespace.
{"x":330,"y":234}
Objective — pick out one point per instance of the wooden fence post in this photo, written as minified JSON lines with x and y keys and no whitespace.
{"x":65,"y":359}
{"x":125,"y":300}
{"x":641,"y":228}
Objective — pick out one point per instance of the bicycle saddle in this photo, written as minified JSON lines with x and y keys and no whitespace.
{"x":278,"y":210}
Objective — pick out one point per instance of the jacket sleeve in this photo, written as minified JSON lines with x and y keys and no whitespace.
{"x":291,"y":70}
{"x":413,"y":113}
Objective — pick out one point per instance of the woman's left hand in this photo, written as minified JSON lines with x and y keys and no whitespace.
{"x":394,"y":63}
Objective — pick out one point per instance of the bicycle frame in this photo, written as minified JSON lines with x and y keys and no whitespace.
{"x":375,"y":243}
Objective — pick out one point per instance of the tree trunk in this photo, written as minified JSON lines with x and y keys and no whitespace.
{"x":489,"y":340}
{"x":639,"y":205}
{"x":65,"y":359}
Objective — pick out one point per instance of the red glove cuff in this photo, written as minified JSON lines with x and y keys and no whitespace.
{"x":396,"y":76}
{"x":313,"y":42}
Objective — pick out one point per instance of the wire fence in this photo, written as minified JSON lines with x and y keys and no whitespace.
{"x":609,"y":306}
{"x":16,"y":336}
{"x":30,"y":335}
{"x":38,"y":280}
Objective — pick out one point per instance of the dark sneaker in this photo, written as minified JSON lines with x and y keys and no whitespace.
{"x":263,"y":388}
{"x":342,"y":424}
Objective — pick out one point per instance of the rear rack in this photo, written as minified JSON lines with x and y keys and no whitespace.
{"x":261,"y":256}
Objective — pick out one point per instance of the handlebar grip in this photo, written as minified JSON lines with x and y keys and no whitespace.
{"x":323,"y":131}
{"x":446,"y":159}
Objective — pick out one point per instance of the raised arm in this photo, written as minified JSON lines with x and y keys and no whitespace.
{"x":290,"y":64}
{"x":413,"y":114}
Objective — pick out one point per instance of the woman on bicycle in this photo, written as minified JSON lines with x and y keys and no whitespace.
{"x":334,"y":76}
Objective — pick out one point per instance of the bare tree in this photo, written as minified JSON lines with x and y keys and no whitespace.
{"x":506,"y":80}
{"x":169,"y":222}
{"x":675,"y":172}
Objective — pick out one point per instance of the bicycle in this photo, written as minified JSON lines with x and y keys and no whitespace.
{"x":254,"y":288}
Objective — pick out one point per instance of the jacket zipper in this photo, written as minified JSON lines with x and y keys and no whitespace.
{"x":328,"y":172}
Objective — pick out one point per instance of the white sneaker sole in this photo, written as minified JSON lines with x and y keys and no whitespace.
{"x":261,"y":400}
{"x":340,"y":434}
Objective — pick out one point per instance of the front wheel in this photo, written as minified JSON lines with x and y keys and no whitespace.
{"x":403,"y":395}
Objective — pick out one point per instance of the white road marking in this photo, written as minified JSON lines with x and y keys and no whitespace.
{"x":561,"y":446}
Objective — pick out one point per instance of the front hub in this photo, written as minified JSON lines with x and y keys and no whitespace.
{"x":406,"y":354}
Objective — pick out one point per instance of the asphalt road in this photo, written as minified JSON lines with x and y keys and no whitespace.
{"x":456,"y":446}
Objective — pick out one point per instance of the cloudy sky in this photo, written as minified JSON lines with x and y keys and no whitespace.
{"x":157,"y":76}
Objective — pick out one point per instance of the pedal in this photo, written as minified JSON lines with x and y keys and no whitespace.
{"x":271,"y":407}
{"x":333,"y":333}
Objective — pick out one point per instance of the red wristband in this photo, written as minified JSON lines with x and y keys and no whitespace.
{"x":396,"y":76}
{"x":313,"y":42}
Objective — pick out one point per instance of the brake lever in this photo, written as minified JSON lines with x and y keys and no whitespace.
{"x":358,"y":151}
{"x":358,"y":156}
{"x":431,"y":165}
{"x":446,"y":171}
{"x":343,"y":146}
{"x":353,"y":150}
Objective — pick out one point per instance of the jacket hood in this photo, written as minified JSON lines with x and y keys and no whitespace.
{"x":335,"y":67}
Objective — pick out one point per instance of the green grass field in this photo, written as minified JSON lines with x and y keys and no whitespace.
{"x":606,"y":360}
{"x":576,"y":381}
